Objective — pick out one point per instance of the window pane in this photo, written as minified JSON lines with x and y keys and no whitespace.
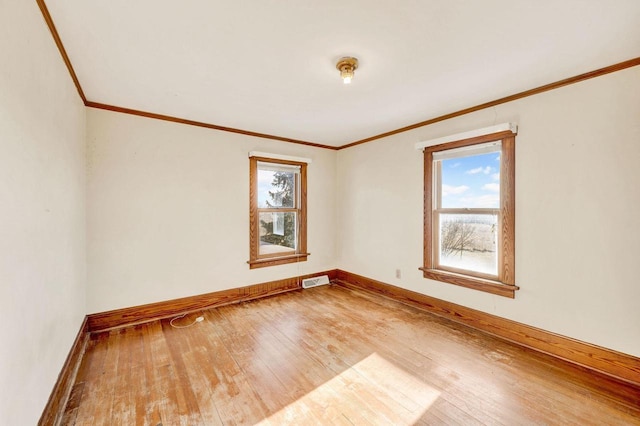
{"x":277,"y":232}
{"x":472,"y":181}
{"x":469,"y":241}
{"x":276,"y":189}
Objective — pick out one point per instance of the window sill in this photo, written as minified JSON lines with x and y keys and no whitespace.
{"x":493,"y":287}
{"x":280,"y":260}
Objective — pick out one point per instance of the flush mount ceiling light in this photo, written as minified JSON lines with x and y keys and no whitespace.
{"x":347,"y":66}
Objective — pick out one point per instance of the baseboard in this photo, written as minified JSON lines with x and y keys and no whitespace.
{"x":144,"y":313}
{"x":53,"y":411}
{"x":617,"y":365}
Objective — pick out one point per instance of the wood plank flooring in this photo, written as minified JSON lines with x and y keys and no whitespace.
{"x":331,"y":356}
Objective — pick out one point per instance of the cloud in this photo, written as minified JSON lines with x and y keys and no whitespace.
{"x":485,"y":170}
{"x":495,"y":176}
{"x":494,"y":187}
{"x":453,"y":190}
{"x":482,"y":201}
{"x":453,"y":166}
{"x":498,"y":157}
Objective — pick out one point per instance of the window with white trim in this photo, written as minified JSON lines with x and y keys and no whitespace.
{"x":469,"y":214}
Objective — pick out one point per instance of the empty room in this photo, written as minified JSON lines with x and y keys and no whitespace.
{"x":319,"y":213}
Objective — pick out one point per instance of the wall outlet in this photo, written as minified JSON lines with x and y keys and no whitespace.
{"x":398,"y":273}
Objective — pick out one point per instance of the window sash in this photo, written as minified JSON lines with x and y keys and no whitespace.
{"x":285,"y":168}
{"x":296,"y":189}
{"x":438,"y":210}
{"x":437,"y":248}
{"x":285,"y":250}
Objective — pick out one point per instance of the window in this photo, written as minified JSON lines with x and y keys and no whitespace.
{"x":278,"y":216}
{"x":469,"y":213}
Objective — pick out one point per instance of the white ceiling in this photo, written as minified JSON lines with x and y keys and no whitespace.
{"x":268,"y":66}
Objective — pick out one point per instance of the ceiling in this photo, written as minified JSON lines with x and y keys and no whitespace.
{"x":268,"y":66}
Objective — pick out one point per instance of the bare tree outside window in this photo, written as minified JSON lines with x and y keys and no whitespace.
{"x":457,"y":236}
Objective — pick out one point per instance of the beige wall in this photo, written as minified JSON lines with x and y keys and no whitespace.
{"x":165,"y":220}
{"x":42,"y":213}
{"x":168,"y":210}
{"x":577,"y":209}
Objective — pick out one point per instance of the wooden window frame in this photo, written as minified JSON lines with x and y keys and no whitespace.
{"x":260,"y":261}
{"x":504,"y":283}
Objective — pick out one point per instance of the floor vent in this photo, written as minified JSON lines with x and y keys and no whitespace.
{"x":314,"y":282}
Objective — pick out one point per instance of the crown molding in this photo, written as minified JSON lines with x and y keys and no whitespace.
{"x":551,"y":86}
{"x":98,"y":105}
{"x":63,"y":52}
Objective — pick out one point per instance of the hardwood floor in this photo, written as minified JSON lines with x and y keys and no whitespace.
{"x":334,"y":356}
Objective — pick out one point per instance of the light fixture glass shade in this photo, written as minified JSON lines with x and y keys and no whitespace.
{"x":346,"y":75}
{"x":347,"y":66}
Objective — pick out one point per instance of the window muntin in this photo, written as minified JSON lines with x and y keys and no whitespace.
{"x":277,"y":212}
{"x":470,"y":213}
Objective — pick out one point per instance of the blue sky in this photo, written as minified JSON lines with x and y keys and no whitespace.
{"x":472,"y":181}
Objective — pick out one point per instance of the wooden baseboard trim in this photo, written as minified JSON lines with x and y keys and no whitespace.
{"x":144,"y":313}
{"x":620,"y":366}
{"x":53,"y":411}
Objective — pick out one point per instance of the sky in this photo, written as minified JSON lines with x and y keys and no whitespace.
{"x":472,"y":181}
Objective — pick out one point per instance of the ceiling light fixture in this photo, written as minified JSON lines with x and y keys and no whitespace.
{"x":347,"y":66}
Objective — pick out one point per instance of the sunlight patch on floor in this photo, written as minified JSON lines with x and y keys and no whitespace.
{"x":372,"y":391}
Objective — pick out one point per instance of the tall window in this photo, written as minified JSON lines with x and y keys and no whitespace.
{"x":469,"y":215}
{"x":278,"y":216}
